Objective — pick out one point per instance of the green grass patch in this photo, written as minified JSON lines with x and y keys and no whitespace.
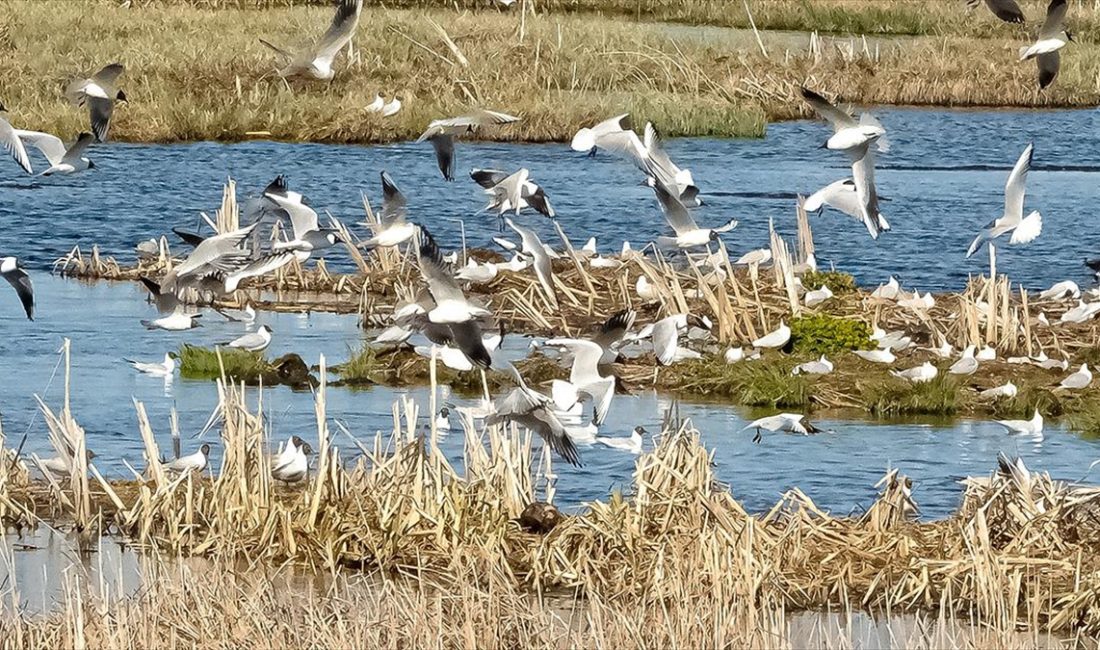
{"x":824,"y":334}
{"x":203,"y":363}
{"x":838,"y":282}
{"x":746,"y":383}
{"x":898,"y":397}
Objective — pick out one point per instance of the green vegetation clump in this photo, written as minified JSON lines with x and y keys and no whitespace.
{"x":824,"y":334}
{"x":746,"y":383}
{"x":838,"y":282}
{"x":202,"y":363}
{"x":899,"y":397}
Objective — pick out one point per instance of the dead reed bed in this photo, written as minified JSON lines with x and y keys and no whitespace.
{"x":674,"y":554}
{"x":558,"y":71}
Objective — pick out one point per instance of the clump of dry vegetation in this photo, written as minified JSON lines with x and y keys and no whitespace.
{"x":558,"y":70}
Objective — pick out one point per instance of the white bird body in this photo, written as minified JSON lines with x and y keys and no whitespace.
{"x":644,"y":289}
{"x":966,"y":365}
{"x":1061,"y":290}
{"x":1081,"y":313}
{"x":585,"y":377}
{"x":62,"y":159}
{"x":391,"y":108}
{"x":165,"y":369}
{"x":923,"y":373}
{"x":177,"y":321}
{"x":293,"y":465}
{"x":785,"y":422}
{"x":754,"y":257}
{"x":195,"y":462}
{"x":986,"y":354}
{"x":733,"y":355}
{"x":1078,"y":380}
{"x":817,"y":296}
{"x":844,"y":196}
{"x":1007,"y":390}
{"x":888,"y":291}
{"x":254,"y":341}
{"x":774,"y":339}
{"x":476,"y":273}
{"x":820,"y":367}
{"x":377,"y":105}
{"x":1042,"y":46}
{"x":876,"y":356}
{"x":1022,"y":229}
{"x":632,"y":445}
{"x":1032,"y":426}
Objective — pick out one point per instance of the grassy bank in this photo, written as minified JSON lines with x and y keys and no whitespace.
{"x":557,"y":70}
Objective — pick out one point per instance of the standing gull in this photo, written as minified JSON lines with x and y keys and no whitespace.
{"x":442,"y":133}
{"x":254,"y":341}
{"x":316,"y":61}
{"x":99,"y":94}
{"x":195,"y":462}
{"x":1022,"y":229}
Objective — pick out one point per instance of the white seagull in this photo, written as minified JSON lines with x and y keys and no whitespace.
{"x":534,"y":248}
{"x":1061,"y":290}
{"x":921,"y":374}
{"x":966,"y":365}
{"x":688,"y":233}
{"x":165,"y":369}
{"x":316,"y":61}
{"x":395,"y":229}
{"x":1032,"y":426}
{"x":817,"y":296}
{"x":195,"y":462}
{"x":632,"y":445}
{"x":294,"y":466}
{"x":843,"y":195}
{"x":1022,"y":229}
{"x":585,"y":377}
{"x":820,"y":367}
{"x":254,"y":341}
{"x":1078,"y":380}
{"x":777,"y":338}
{"x":177,"y":321}
{"x":1007,"y":390}
{"x":1046,"y":50}
{"x":62,"y":159}
{"x":21,"y":282}
{"x":785,"y":422}
{"x":99,"y":94}
{"x":442,"y":133}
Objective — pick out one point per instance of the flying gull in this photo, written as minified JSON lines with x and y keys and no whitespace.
{"x":316,"y":61}
{"x":99,"y":94}
{"x":442,"y":133}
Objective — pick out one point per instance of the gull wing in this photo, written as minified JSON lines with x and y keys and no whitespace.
{"x":615,"y":328}
{"x":1028,"y":229}
{"x":100,"y":110}
{"x":13,"y":145}
{"x":166,"y":302}
{"x":107,"y":77}
{"x":1048,"y":67}
{"x":1015,"y":187}
{"x":303,"y":219}
{"x":586,"y":359}
{"x":863,"y":175}
{"x":437,"y":273}
{"x":339,"y":32}
{"x":523,"y":407}
{"x":676,"y":213}
{"x":444,"y":145}
{"x":488,"y":178}
{"x":828,"y":112}
{"x":219,"y":251}
{"x":467,"y":337}
{"x":665,"y":335}
{"x":73,"y":154}
{"x":257,"y":268}
{"x":1006,"y":10}
{"x":21,"y":282}
{"x":659,"y":164}
{"x":1056,"y":16}
{"x":393,"y":202}
{"x":51,"y":146}
{"x":625,"y":143}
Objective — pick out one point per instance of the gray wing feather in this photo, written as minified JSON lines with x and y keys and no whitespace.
{"x":14,"y":146}
{"x":830,"y":113}
{"x":340,"y":31}
{"x":21,"y":282}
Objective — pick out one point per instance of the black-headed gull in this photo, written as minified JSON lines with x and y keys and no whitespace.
{"x":316,"y":61}
{"x":1053,"y":36}
{"x":99,"y":94}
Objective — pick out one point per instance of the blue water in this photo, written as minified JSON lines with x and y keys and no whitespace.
{"x":837,"y":469}
{"x":944,"y":176}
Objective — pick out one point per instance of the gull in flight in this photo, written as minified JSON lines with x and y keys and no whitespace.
{"x":1046,"y":50}
{"x":316,"y":61}
{"x":844,"y":195}
{"x":21,"y":282}
{"x":616,"y":136}
{"x":99,"y":93}
{"x":849,"y":135}
{"x":1006,"y":10}
{"x":1078,"y":380}
{"x":585,"y":377}
{"x":253,"y":342}
{"x":1032,"y":426}
{"x":535,"y":412}
{"x":459,"y":318}
{"x":62,"y":159}
{"x":612,"y":334}
{"x":165,"y":369}
{"x":9,"y":140}
{"x":395,"y":228}
{"x":216,"y":253}
{"x":308,"y":234}
{"x":534,"y":248}
{"x":688,"y":233}
{"x":632,"y":445}
{"x":923,"y":373}
{"x":512,"y":191}
{"x":195,"y":462}
{"x":777,"y":338}
{"x":1022,"y":229}
{"x":785,"y":422}
{"x":442,"y":135}
{"x":452,"y":357}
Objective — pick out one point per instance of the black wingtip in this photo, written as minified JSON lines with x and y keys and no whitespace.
{"x":623,"y":319}
{"x":277,"y":186}
{"x":810,"y":95}
{"x":568,"y":451}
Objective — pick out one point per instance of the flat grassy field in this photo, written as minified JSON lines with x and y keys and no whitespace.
{"x":196,"y":69}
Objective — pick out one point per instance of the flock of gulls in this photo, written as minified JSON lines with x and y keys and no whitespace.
{"x":446,"y":323}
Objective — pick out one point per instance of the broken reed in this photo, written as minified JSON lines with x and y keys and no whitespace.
{"x":557,"y":70}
